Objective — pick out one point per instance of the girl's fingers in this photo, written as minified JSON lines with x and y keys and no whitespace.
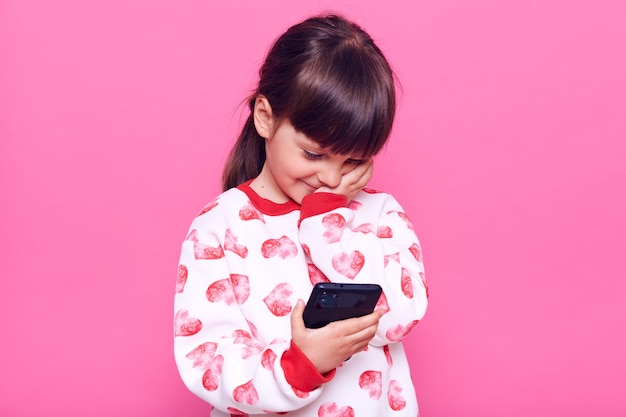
{"x":362,"y":171}
{"x":360,"y":328}
{"x":298,"y":310}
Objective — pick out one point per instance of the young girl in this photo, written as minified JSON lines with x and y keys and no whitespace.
{"x":296,"y":211}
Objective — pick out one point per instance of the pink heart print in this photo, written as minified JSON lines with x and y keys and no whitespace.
{"x":372,"y":382}
{"x":186,"y":325}
{"x":253,"y":347}
{"x":382,"y":303}
{"x":406,"y":220}
{"x":230,"y":244}
{"x":241,"y":287}
{"x":315,"y":275}
{"x":282,"y":247}
{"x":394,"y":396}
{"x":193,"y":236}
{"x":393,"y":257}
{"x":398,"y":331}
{"x":354,"y":205}
{"x":203,"y":251}
{"x":384,"y":232}
{"x":202,"y":355}
{"x":208,"y":207}
{"x":388,"y":355}
{"x":237,"y":288}
{"x":253,"y":329}
{"x":306,"y":250}
{"x":416,"y":250}
{"x":277,"y":301}
{"x":181,"y":278}
{"x":246,"y":393}
{"x":365,"y":228}
{"x":240,"y":334}
{"x":333,"y":410}
{"x":348,"y":265}
{"x":236,"y":413}
{"x":406,"y":283}
{"x":211,"y":377}
{"x":333,"y":224}
{"x":250,"y":213}
{"x":268,"y":358}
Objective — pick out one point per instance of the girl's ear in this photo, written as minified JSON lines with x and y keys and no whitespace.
{"x":263,"y":118}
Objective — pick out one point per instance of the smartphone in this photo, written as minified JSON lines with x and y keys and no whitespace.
{"x":330,"y":301}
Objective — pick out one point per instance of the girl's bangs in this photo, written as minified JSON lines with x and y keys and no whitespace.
{"x":347,"y":109}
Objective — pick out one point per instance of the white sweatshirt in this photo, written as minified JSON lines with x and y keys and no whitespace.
{"x":244,"y":264}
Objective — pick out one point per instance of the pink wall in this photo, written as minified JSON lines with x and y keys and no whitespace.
{"x":509,"y":154}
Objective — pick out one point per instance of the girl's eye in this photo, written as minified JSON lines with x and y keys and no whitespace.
{"x":309,"y":155}
{"x":354,"y":161}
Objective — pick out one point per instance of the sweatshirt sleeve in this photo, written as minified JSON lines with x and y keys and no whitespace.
{"x":219,"y":355}
{"x":369,"y":240}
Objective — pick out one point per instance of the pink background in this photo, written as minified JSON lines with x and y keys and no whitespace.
{"x":508,"y":153}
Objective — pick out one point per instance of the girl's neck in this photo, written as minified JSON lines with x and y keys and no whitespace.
{"x":265,"y":186}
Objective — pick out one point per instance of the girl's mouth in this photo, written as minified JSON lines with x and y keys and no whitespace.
{"x":309,"y":186}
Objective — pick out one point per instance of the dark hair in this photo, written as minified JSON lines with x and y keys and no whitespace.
{"x":330,"y":80}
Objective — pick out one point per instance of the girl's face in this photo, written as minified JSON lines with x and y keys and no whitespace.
{"x":296,"y":166}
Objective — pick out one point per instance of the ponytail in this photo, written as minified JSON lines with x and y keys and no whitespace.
{"x":246,"y":159}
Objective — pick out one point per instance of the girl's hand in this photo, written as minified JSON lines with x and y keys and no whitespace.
{"x":352,"y":181}
{"x":334,"y":343}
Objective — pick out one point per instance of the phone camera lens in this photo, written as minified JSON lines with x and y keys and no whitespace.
{"x":327,"y":300}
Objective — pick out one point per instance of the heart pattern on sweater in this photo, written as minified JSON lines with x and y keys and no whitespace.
{"x":397,"y":332}
{"x":185,"y":324}
{"x":282,"y":247}
{"x":250,"y":213}
{"x":372,"y":382}
{"x":333,"y":410}
{"x":246,"y":393}
{"x":333,"y":224}
{"x":278,"y":300}
{"x":230,"y":244}
{"x":394,"y":396}
{"x":348,"y":265}
{"x":181,"y":278}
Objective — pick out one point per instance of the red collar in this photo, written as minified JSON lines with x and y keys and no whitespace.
{"x":266,"y":206}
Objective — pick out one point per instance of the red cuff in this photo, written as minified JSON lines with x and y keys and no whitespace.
{"x":300,"y":372}
{"x":318,"y":203}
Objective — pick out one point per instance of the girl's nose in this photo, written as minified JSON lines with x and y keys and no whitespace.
{"x":330,"y":176}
